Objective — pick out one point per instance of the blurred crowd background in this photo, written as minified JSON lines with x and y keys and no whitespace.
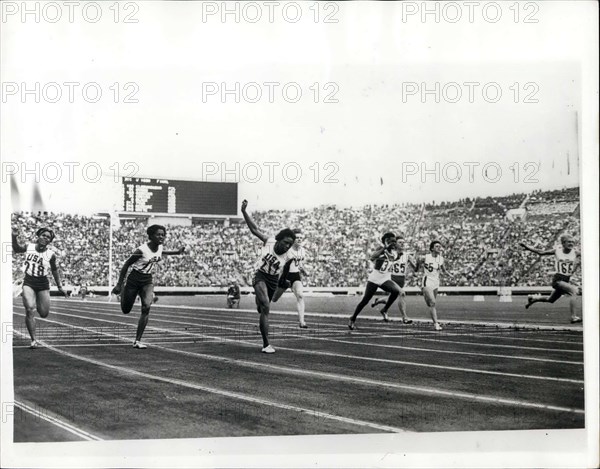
{"x":480,"y":240}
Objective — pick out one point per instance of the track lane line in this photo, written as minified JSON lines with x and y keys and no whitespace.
{"x":364,"y":381}
{"x":57,"y":422}
{"x":340,"y":355}
{"x":168,"y":318}
{"x":508,"y":325}
{"x":230,"y":394}
{"x":448,"y":333}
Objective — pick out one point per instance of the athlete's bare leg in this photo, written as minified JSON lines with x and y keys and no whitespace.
{"x":29,"y":302}
{"x":146,"y":295}
{"x":563,"y":288}
{"x":263,"y":307}
{"x":298,"y":290}
{"x":370,"y":290}
{"x":430,"y":296}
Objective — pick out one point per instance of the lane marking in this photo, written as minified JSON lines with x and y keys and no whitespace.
{"x":337,"y":355}
{"x":482,"y":344}
{"x":409,"y":335}
{"x":509,"y":325}
{"x":371,"y":382}
{"x":308,"y":335}
{"x":324,"y":339}
{"x":234,"y":395}
{"x":403,"y":347}
{"x":42,"y":414}
{"x":447,"y":333}
{"x":352,"y":357}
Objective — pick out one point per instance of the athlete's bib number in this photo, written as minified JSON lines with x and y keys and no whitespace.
{"x":565,"y":268}
{"x":429,"y":267}
{"x":33,"y":269}
{"x":384,"y":266}
{"x":395,"y":268}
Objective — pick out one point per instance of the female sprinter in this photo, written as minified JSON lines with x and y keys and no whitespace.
{"x":39,"y":261}
{"x":275,"y":253}
{"x":380,"y":277}
{"x":139,"y":282}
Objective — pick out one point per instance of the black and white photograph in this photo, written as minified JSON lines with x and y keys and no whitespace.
{"x":299,"y":234}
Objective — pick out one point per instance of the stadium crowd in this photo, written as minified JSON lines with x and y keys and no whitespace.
{"x":481,"y":243}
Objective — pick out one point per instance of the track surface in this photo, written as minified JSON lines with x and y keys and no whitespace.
{"x":495,"y":366}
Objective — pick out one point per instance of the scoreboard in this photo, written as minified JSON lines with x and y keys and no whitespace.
{"x":179,"y":197}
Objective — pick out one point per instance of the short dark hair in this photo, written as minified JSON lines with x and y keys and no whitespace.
{"x":286,"y":233}
{"x":152,"y":229}
{"x":387,"y":236}
{"x":433,"y":243}
{"x":43,"y":230}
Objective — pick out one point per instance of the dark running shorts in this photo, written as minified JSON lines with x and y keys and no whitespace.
{"x":36,"y":283}
{"x":559,"y":278}
{"x":291,"y":277}
{"x":399,"y":279}
{"x":269,"y":280}
{"x":137,"y":280}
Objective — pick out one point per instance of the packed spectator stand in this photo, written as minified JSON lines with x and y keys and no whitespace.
{"x":481,"y":243}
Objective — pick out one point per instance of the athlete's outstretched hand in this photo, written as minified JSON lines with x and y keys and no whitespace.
{"x":116,"y":290}
{"x":61,"y":291}
{"x":244,"y":205}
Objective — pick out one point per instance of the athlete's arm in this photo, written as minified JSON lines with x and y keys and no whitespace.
{"x":377,"y":253}
{"x":286,"y":268}
{"x":16,"y":247}
{"x":56,"y":275}
{"x":537,"y":251}
{"x":252,"y":225}
{"x":414,"y":263}
{"x":174,"y":253}
{"x":577,"y":262}
{"x":420,"y":261}
{"x":302,"y":269}
{"x":134,"y":257}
